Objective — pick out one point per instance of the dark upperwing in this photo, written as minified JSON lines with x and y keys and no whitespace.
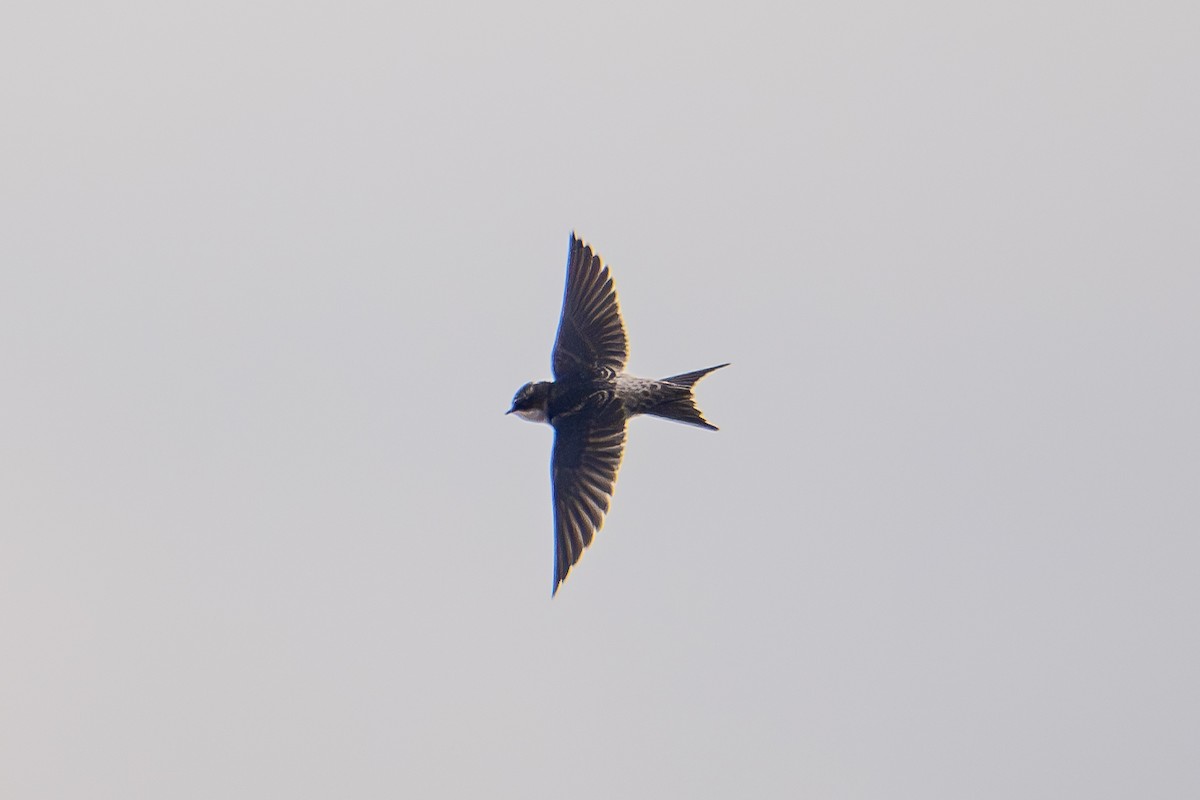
{"x":591,"y":336}
{"x":587,"y":454}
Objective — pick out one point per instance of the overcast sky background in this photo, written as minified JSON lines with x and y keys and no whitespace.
{"x":271,"y":274}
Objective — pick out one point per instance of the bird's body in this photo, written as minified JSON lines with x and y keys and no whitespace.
{"x":589,"y":402}
{"x":669,"y":397}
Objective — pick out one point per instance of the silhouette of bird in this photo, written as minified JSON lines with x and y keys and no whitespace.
{"x":590,"y":400}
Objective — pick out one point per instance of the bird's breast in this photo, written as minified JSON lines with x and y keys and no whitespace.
{"x":532,"y":414}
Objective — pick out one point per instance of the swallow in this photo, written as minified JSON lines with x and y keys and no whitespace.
{"x":590,"y":401}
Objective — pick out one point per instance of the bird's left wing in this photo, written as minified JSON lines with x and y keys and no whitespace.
{"x":588,"y":445}
{"x":591,"y":335}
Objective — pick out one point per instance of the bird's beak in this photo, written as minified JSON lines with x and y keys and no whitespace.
{"x":508,"y":412}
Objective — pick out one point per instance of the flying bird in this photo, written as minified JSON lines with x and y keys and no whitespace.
{"x":590,"y":400}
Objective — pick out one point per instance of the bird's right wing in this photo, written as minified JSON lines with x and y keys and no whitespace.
{"x":591,"y":335}
{"x":588,"y":445}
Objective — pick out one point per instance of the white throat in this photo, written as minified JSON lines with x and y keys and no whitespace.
{"x":532,"y":414}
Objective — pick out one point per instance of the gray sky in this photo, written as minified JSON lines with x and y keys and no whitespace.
{"x":271,"y":275}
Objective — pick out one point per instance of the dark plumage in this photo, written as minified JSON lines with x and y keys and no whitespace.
{"x":589,"y":402}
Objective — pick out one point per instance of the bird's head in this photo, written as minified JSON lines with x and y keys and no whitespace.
{"x":530,"y":401}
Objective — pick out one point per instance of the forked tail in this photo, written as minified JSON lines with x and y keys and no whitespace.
{"x":679,"y":403}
